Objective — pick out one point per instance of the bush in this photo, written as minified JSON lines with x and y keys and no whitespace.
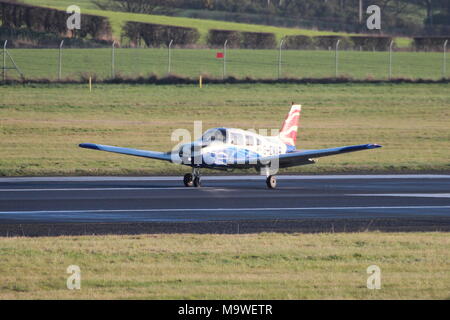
{"x":95,"y":26}
{"x":430,"y":43}
{"x":217,"y":38}
{"x":371,"y":43}
{"x":156,"y":35}
{"x":26,"y":38}
{"x":329,"y":42}
{"x":258,"y":40}
{"x":39,"y":19}
{"x":236,"y":39}
{"x":299,"y":42}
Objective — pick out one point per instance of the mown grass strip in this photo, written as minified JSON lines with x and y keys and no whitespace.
{"x":42,"y":125}
{"x":256,"y":266}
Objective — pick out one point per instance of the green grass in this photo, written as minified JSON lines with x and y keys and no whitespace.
{"x":258,"y":266}
{"x":43,"y":63}
{"x":42,"y":125}
{"x":117,"y":20}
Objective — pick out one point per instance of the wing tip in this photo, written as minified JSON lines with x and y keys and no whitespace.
{"x":374,"y":146}
{"x":89,"y":146}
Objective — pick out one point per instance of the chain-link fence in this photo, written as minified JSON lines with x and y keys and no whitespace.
{"x":107,"y":62}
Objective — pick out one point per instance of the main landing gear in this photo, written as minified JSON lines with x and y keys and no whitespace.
{"x":192,"y":179}
{"x":271,"y":182}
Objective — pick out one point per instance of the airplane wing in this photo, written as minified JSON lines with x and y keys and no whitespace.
{"x":303,"y":157}
{"x":133,"y":152}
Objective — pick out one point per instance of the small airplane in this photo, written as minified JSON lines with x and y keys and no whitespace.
{"x":230,"y":148}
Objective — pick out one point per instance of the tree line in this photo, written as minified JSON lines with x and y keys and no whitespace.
{"x":416,"y":16}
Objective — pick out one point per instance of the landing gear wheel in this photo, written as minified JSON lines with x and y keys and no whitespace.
{"x":188,"y":180}
{"x":271,"y":182}
{"x":197,"y":182}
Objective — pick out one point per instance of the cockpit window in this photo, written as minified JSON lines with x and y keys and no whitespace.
{"x":249,"y":141}
{"x":214,"y":135}
{"x":236,"y":139}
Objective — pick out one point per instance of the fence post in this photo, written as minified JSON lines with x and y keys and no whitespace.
{"x":224,"y":72}
{"x":113,"y":60}
{"x":337,"y":57}
{"x":60,"y":60}
{"x":279,"y":59}
{"x":444,"y":66}
{"x":4,"y":60}
{"x":169,"y":57}
{"x":390,"y":59}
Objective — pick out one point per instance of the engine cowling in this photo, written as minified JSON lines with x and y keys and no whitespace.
{"x":191,"y":154}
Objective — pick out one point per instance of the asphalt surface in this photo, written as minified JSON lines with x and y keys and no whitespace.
{"x":239,"y":204}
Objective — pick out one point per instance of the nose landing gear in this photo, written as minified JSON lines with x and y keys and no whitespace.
{"x":192,"y":180}
{"x":188,"y":180}
{"x":197,"y":182}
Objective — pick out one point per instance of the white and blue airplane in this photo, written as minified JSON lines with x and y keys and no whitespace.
{"x":230,"y":148}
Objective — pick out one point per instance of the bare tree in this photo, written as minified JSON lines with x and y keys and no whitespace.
{"x":428,"y":5}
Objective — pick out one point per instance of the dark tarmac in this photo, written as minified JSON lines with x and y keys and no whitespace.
{"x":239,"y":204}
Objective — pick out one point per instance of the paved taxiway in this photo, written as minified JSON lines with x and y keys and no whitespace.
{"x":403,"y":198}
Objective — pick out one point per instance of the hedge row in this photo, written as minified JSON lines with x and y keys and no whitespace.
{"x":329,"y":42}
{"x":26,"y":38}
{"x":378,"y":43}
{"x":430,"y":43}
{"x":237,"y":39}
{"x":17,"y":15}
{"x":156,"y":35}
{"x":260,"y":40}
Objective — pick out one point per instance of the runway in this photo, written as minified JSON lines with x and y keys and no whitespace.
{"x":76,"y":205}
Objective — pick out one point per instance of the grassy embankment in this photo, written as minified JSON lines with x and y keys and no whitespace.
{"x":117,"y":19}
{"x":259,"y":266}
{"x":41,"y":125}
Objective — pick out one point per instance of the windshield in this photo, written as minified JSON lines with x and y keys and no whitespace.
{"x":214,"y":135}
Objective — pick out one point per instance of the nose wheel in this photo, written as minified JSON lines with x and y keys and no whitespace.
{"x":192,"y":179}
{"x":271,"y":182}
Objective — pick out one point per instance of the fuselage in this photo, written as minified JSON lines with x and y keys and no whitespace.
{"x":230,"y":147}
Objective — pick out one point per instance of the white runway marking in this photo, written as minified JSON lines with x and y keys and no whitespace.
{"x":222,"y":178}
{"x":91,"y":189}
{"x":418,"y":195}
{"x":223,"y":209}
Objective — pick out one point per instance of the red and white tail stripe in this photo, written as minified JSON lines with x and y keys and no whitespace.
{"x":288,"y":133}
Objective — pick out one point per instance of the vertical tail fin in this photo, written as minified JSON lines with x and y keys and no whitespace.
{"x":288,"y":133}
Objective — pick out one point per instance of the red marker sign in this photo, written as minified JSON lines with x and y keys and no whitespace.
{"x":219,"y":55}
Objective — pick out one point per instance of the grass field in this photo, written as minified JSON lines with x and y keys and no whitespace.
{"x":41,"y":126}
{"x":43,"y":63}
{"x":259,"y":266}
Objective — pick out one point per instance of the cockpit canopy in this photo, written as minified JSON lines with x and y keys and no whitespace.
{"x":214,"y":135}
{"x":231,"y":136}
